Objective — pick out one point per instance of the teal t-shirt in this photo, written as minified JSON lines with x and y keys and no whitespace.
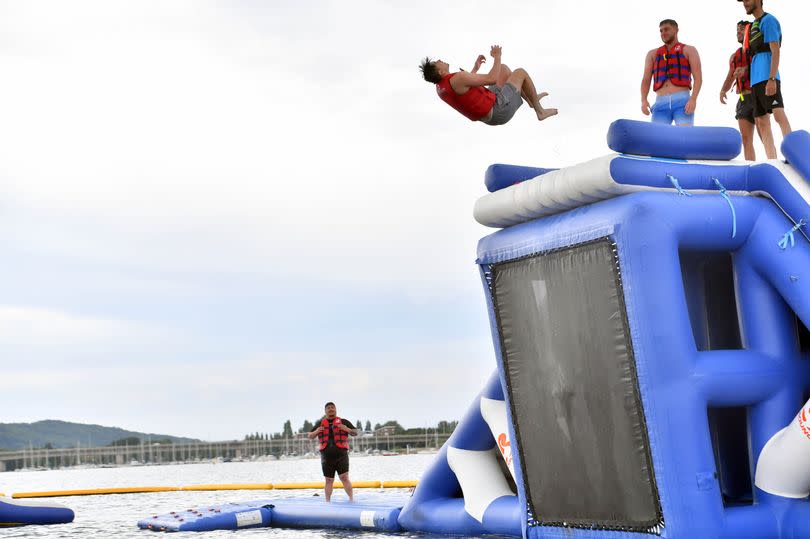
{"x":764,"y":30}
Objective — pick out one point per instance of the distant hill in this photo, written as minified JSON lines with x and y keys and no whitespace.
{"x":65,"y":434}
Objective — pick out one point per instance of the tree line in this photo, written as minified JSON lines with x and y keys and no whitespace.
{"x":442,"y":427}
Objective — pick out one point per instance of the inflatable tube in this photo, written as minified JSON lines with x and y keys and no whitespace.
{"x":313,"y":512}
{"x":615,"y":175}
{"x":645,"y":138}
{"x":465,"y":491}
{"x":17,"y":513}
{"x":796,"y":149}
{"x":499,"y":176}
{"x":231,"y":516}
{"x":369,"y":513}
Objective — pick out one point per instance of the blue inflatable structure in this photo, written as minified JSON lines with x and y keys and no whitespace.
{"x":649,"y":313}
{"x":23,"y":513}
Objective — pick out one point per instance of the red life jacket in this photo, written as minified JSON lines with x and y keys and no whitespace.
{"x":742,"y":59}
{"x":475,"y":103}
{"x":341,"y":438}
{"x":672,"y":66}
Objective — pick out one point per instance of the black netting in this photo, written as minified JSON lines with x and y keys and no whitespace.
{"x":573,"y":390}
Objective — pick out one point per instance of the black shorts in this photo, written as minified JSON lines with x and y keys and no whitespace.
{"x":764,"y":104}
{"x":745,"y":108}
{"x":334,"y":462}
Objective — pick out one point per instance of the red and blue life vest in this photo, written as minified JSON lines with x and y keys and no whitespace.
{"x":341,"y":437}
{"x":475,"y":103}
{"x":673,"y":66}
{"x":741,"y":58}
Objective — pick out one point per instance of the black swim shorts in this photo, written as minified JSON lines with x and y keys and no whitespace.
{"x":332,"y":462}
{"x":764,"y":104}
{"x":745,"y":108}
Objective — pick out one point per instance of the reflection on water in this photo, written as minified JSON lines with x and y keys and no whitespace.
{"x":116,"y":515}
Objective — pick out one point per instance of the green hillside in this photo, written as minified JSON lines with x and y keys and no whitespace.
{"x":65,"y":434}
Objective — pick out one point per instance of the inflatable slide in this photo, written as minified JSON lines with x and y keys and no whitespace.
{"x":649,"y":312}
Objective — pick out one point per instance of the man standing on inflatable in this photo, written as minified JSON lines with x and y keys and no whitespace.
{"x":492,"y":98}
{"x":671,"y":70}
{"x":333,"y":434}
{"x":739,"y":76}
{"x":765,"y":43}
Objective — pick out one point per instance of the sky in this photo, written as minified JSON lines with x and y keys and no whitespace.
{"x":216,"y":216}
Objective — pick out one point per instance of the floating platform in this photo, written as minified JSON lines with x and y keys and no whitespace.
{"x":369,"y":513}
{"x":17,"y":513}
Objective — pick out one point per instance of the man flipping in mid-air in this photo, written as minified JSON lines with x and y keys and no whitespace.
{"x":492,"y":98}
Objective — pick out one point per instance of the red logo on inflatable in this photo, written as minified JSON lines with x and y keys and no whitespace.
{"x":505,"y":447}
{"x":803,"y":423}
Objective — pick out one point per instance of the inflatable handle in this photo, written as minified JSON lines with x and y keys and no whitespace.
{"x":796,"y":149}
{"x":499,"y":176}
{"x":669,"y":141}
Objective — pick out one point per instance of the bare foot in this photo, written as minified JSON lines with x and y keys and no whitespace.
{"x":542,"y":114}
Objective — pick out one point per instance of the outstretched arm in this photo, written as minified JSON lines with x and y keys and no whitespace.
{"x":478,"y":61}
{"x":697,"y":73}
{"x":646,"y":82}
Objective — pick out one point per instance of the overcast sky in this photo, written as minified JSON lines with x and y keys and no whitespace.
{"x":215,"y":216}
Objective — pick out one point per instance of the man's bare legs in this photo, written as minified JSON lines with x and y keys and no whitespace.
{"x":329,"y":483}
{"x":503,"y":76}
{"x":781,"y":118}
{"x":521,"y":80}
{"x":747,"y":132}
{"x":347,"y":485}
{"x":766,"y":135}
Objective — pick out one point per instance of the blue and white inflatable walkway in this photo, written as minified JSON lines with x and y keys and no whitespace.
{"x":650,"y":158}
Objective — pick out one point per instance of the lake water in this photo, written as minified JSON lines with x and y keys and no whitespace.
{"x":117,"y":515}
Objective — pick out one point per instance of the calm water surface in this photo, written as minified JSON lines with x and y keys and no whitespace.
{"x":117,"y":515}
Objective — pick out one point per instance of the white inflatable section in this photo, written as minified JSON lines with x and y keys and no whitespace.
{"x":480,"y":477}
{"x":31,"y":503}
{"x":494,"y":413}
{"x":553,"y":192}
{"x":571,"y":187}
{"x":783,"y":468}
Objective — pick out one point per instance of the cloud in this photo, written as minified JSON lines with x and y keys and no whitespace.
{"x":30,"y":325}
{"x":212,"y":213}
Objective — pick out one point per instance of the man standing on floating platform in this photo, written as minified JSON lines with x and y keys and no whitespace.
{"x":671,"y":69}
{"x":739,"y":76}
{"x":333,"y":434}
{"x":765,"y":43}
{"x":492,"y":98}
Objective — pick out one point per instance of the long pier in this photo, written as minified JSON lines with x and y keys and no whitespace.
{"x":166,"y":453}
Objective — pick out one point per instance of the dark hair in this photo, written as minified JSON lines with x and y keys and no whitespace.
{"x":743,"y":23}
{"x":328,"y":403}
{"x":668,"y":21}
{"x":429,"y":71}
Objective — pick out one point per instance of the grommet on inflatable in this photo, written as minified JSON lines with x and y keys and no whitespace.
{"x":649,"y":313}
{"x":23,"y":513}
